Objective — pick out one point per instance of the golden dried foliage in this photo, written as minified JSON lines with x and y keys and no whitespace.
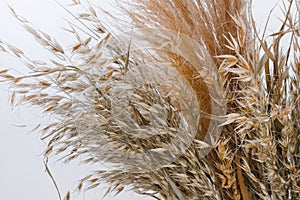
{"x":109,"y":103}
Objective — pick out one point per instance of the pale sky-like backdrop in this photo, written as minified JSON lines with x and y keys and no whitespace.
{"x":22,"y":173}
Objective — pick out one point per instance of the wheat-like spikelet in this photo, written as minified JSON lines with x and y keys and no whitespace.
{"x":123,"y":99}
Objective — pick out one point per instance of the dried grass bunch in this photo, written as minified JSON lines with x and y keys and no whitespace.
{"x":185,"y":71}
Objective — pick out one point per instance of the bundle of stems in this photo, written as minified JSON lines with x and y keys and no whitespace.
{"x":187,"y":101}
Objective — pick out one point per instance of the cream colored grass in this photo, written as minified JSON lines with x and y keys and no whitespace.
{"x":255,"y":157}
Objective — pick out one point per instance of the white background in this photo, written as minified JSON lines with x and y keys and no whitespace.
{"x":22,"y":174}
